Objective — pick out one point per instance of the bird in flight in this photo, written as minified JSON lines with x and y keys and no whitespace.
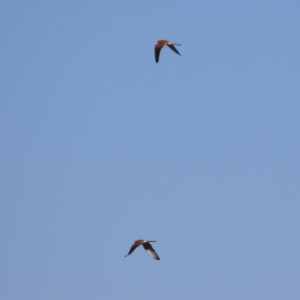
{"x":146,"y":244}
{"x":160,"y":44}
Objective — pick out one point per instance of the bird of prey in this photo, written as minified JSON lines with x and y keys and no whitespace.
{"x":146,"y":244}
{"x":160,"y":44}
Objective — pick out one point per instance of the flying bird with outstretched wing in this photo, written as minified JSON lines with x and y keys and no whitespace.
{"x":147,"y":246}
{"x":160,"y":44}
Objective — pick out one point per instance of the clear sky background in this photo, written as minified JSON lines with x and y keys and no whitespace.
{"x":101,"y":146}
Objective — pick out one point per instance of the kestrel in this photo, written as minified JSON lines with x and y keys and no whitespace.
{"x":160,"y":45}
{"x":147,"y":247}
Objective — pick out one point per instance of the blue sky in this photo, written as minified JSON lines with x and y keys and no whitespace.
{"x":102,"y":146}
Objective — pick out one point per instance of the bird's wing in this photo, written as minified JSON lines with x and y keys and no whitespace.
{"x":173,"y":48}
{"x":150,"y":251}
{"x":133,"y":247}
{"x":157,"y":52}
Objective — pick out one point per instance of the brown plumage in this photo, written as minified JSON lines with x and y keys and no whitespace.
{"x":146,"y":244}
{"x":160,"y":44}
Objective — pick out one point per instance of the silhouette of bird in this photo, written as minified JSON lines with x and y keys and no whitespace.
{"x":160,"y":44}
{"x":146,"y":244}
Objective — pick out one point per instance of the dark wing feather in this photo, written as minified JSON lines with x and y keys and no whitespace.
{"x":132,"y":249}
{"x":151,"y":251}
{"x":173,"y":48}
{"x":157,"y":52}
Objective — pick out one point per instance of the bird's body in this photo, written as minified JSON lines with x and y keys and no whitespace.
{"x":160,"y":44}
{"x":146,"y":244}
